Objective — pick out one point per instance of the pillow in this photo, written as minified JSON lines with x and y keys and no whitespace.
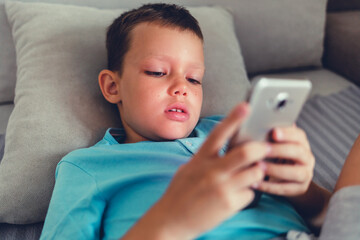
{"x":2,"y":145}
{"x":7,"y":60}
{"x":58,"y":105}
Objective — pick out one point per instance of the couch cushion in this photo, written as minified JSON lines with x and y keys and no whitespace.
{"x":5,"y":111}
{"x":332,"y":126}
{"x":280,"y":34}
{"x":7,"y":60}
{"x":343,"y":44}
{"x":23,"y":232}
{"x":58,"y":104}
{"x":2,"y":145}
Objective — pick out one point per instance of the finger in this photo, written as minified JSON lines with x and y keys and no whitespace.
{"x":282,"y":188}
{"x":225,"y":130}
{"x":290,"y":134}
{"x":290,"y":151}
{"x":244,"y":198}
{"x":289,"y":173}
{"x":249,"y":176}
{"x":245,"y":155}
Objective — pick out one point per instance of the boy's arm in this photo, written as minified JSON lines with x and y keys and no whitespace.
{"x":349,"y":175}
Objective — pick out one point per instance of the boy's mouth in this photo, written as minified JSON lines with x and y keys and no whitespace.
{"x":177,"y":112}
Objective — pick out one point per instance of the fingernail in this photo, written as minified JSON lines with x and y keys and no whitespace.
{"x":241,"y":110}
{"x":279,"y":134}
{"x":268,"y":149}
{"x":255,"y":185}
{"x":262,"y":165}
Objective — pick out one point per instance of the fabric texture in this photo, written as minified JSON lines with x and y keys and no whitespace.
{"x":343,"y":45}
{"x":262,"y":28}
{"x":58,"y":105}
{"x":23,"y":232}
{"x":101,"y":191}
{"x":2,"y":145}
{"x":280,"y":34}
{"x":332,"y":125}
{"x":343,"y":217}
{"x":5,"y":112}
{"x":7,"y":60}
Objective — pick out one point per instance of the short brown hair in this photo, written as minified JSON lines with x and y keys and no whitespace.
{"x":118,"y":34}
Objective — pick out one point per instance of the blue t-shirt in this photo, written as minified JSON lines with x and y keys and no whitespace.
{"x":101,"y":191}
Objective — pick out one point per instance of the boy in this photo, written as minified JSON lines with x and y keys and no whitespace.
{"x":151,"y":179}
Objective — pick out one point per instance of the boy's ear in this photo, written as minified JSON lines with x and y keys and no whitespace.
{"x":109,"y":84}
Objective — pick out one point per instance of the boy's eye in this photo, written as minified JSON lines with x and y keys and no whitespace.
{"x":194,"y":81}
{"x":155,"y":74}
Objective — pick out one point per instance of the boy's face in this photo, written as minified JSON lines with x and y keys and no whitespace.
{"x":160,"y":86}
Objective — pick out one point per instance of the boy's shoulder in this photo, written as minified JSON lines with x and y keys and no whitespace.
{"x":86,"y":154}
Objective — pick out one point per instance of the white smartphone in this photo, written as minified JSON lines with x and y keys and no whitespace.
{"x":274,"y":102}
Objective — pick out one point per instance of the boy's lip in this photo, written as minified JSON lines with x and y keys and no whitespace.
{"x":177,"y":112}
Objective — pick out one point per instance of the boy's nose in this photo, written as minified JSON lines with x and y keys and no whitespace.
{"x":181,"y":91}
{"x":178,"y":88}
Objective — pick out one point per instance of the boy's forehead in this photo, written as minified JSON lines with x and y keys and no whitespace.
{"x":144,"y":36}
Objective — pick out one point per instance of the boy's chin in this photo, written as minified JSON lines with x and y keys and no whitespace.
{"x":168,"y":136}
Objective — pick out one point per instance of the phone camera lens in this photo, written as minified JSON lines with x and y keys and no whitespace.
{"x":281,"y":101}
{"x":281,"y":104}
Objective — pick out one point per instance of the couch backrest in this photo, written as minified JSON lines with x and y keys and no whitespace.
{"x":341,"y":5}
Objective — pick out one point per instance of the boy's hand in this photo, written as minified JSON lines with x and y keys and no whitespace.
{"x":209,"y":188}
{"x":293,"y":177}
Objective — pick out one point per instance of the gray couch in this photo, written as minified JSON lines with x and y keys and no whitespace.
{"x":276,"y":37}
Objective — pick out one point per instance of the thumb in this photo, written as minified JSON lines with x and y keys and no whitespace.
{"x":224,"y":130}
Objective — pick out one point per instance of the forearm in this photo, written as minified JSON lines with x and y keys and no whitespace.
{"x":312,"y":205}
{"x":152,"y":226}
{"x":349,"y":175}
